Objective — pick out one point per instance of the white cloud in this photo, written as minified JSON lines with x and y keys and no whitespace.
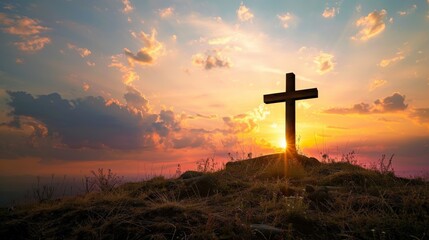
{"x":324,"y":62}
{"x":244,"y":14}
{"x":371,"y":25}
{"x":285,"y":19}
{"x":410,"y":10}
{"x":220,"y":40}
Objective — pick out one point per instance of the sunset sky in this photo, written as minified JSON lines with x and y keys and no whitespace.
{"x":140,"y":86}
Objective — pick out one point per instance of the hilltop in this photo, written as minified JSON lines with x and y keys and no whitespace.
{"x":259,"y":198}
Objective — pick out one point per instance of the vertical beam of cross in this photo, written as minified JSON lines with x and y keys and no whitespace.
{"x":290,"y":115}
{"x":289,"y":97}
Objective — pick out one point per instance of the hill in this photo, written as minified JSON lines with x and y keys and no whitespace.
{"x":260,"y":198}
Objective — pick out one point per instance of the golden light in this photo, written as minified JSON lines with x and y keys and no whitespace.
{"x":282,"y":143}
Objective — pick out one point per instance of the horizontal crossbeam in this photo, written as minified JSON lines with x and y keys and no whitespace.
{"x":291,"y":96}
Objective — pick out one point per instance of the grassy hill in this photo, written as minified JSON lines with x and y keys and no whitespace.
{"x":259,"y":198}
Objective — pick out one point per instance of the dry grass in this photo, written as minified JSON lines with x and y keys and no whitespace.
{"x":261,"y":198}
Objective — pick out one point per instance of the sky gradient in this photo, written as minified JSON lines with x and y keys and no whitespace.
{"x":140,"y":86}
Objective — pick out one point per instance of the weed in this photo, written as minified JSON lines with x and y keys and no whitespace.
{"x":44,"y":192}
{"x":103,"y":181}
{"x":207,"y":165}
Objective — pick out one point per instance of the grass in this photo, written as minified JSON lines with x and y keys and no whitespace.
{"x":259,"y":198}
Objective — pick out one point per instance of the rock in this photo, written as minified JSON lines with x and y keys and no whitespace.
{"x":205,"y":185}
{"x":190,"y":174}
{"x":265,"y":231}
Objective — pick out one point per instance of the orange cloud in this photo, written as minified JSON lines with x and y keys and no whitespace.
{"x":386,"y":62}
{"x":244,"y":14}
{"x":32,"y":45}
{"x":149,"y":53}
{"x":128,"y":73}
{"x":21,"y":26}
{"x":376,"y":84}
{"x":27,"y":29}
{"x":421,"y":115}
{"x":85,"y":86}
{"x":83,"y":52}
{"x":329,"y":12}
{"x":371,"y":25}
{"x":245,"y":122}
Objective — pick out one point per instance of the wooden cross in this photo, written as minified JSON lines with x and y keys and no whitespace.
{"x":290,"y":96}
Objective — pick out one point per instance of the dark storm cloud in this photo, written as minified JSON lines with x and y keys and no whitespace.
{"x":393,"y":103}
{"x":136,"y":99}
{"x":93,"y":122}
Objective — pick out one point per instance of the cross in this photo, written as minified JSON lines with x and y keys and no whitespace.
{"x":290,"y":96}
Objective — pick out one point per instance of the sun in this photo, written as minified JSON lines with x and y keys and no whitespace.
{"x":282,"y":143}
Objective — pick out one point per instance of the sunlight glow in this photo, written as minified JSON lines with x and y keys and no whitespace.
{"x":282,"y":143}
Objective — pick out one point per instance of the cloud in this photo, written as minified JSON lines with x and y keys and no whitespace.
{"x":410,"y":10}
{"x":285,"y":19}
{"x":211,"y":60}
{"x":244,"y":14}
{"x":421,"y":115}
{"x":83,"y":52}
{"x":324,"y":62}
{"x":135,"y":99}
{"x":386,"y":62}
{"x":149,"y":53}
{"x":376,"y":84}
{"x":329,"y":12}
{"x":246,"y":122}
{"x":92,"y":122}
{"x":21,"y":26}
{"x":393,"y":103}
{"x":128,"y":73}
{"x":85,"y":86}
{"x":127,"y":6}
{"x":32,"y":45}
{"x":91,"y":64}
{"x":166,"y":12}
{"x":220,"y":40}
{"x":371,"y":25}
{"x":27,"y":29}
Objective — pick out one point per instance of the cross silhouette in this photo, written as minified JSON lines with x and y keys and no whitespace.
{"x":290,"y":96}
